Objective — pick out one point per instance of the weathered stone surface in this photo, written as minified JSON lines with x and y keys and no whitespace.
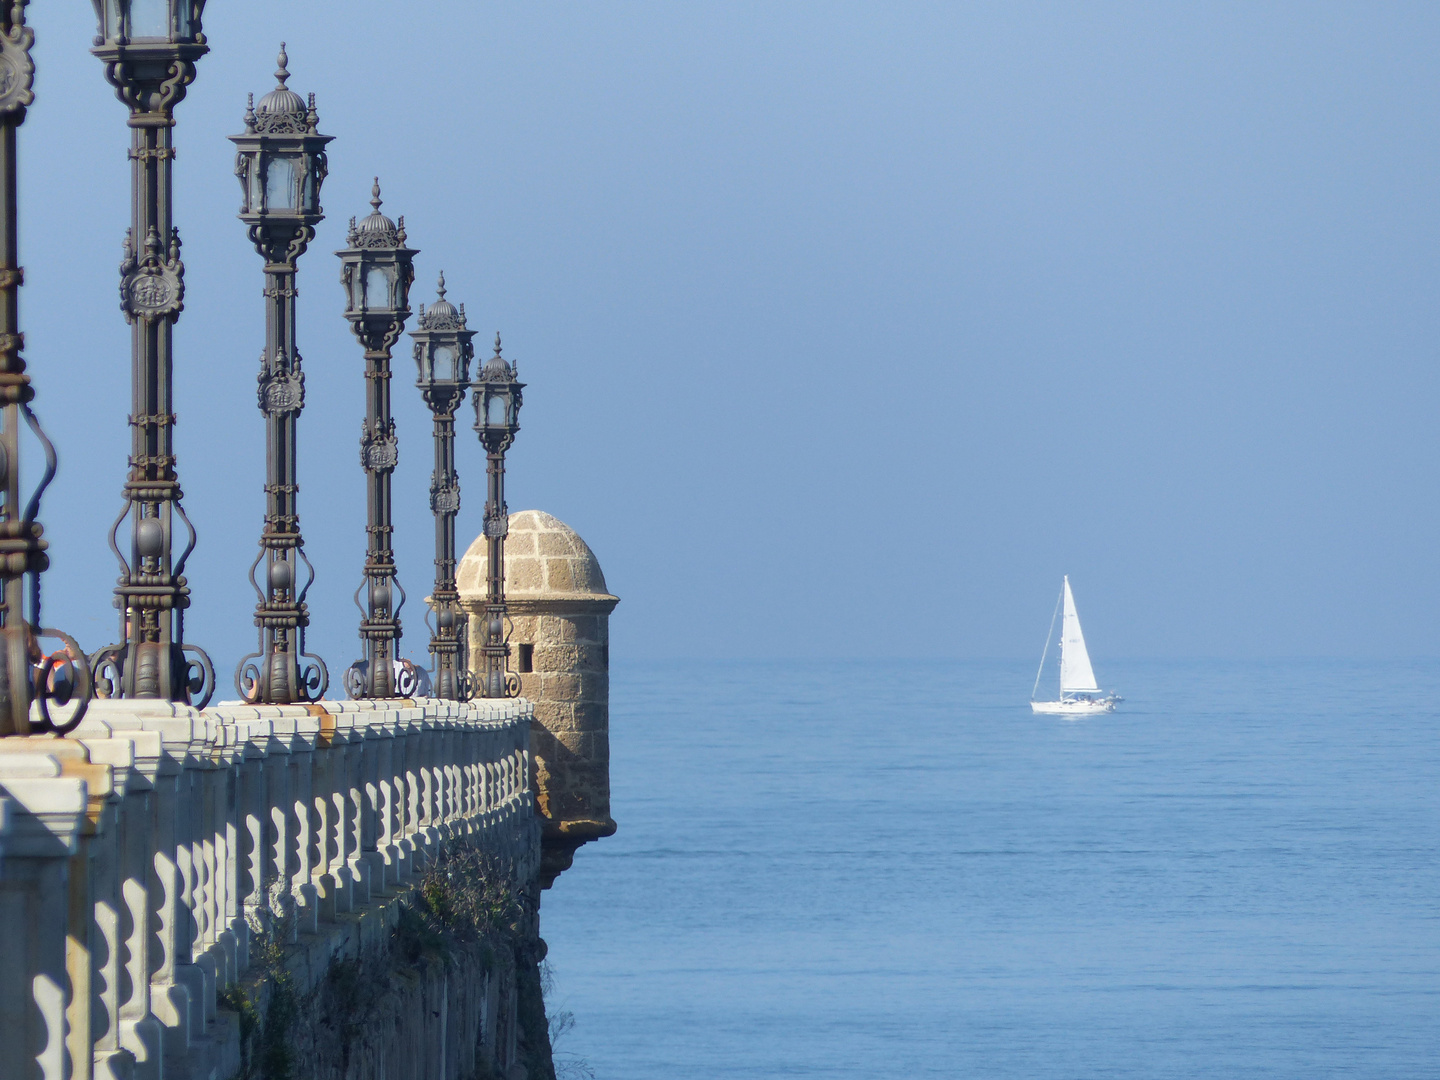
{"x":162,"y":855}
{"x":559,"y":606}
{"x":527,"y":574}
{"x":591,"y":716}
{"x":562,"y":685}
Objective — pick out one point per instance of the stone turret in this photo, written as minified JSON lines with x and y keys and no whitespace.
{"x":560,"y":647}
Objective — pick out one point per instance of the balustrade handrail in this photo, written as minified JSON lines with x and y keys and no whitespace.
{"x":184,"y":833}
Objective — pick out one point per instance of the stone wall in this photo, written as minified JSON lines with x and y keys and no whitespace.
{"x":569,"y":682}
{"x":560,"y":647}
{"x":152,"y":860}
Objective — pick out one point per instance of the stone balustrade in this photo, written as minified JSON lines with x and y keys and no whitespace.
{"x":141,"y":856}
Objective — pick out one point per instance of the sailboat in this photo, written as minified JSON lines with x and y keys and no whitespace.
{"x":1079,"y":692}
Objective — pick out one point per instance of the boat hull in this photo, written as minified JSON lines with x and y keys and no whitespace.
{"x":1073,"y":708}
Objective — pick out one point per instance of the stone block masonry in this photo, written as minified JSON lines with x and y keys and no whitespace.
{"x":560,"y":647}
{"x":163,"y":870}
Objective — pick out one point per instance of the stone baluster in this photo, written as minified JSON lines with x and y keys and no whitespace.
{"x":450,"y":806}
{"x":441,"y":766}
{"x":174,"y":982}
{"x":415,"y":799}
{"x":47,"y":811}
{"x":328,"y":750}
{"x":139,"y":1031}
{"x":227,"y":829}
{"x":431,"y":757}
{"x":97,"y":1050}
{"x":371,"y":802}
{"x":471,"y":801}
{"x":410,"y":836}
{"x":389,"y":816}
{"x":199,"y":852}
{"x":254,"y":866}
{"x":340,"y":751}
{"x":280,"y":829}
{"x":301,"y":814}
{"x":355,"y":811}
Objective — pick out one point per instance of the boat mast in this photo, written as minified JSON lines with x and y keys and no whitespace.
{"x":1064,"y":584}
{"x":1046,"y":651}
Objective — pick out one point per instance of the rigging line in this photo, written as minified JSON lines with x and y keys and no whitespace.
{"x":1046,"y":651}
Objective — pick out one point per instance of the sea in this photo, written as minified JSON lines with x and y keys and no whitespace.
{"x":876,"y":870}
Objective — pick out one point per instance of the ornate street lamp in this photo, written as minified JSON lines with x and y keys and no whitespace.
{"x":26,"y":675}
{"x":443,"y":351}
{"x":280,"y":161}
{"x":149,"y":49}
{"x":497,"y":418}
{"x":376,"y":271}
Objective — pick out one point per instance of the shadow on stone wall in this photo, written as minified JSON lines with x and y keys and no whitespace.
{"x":560,"y":647}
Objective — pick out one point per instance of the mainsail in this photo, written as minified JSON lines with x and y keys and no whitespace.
{"x":1076,"y":674}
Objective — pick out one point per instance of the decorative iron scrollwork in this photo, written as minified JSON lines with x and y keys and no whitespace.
{"x":199,"y":675}
{"x":62,"y":679}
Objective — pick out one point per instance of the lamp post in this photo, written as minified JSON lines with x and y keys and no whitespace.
{"x":149,"y":49}
{"x":376,"y":271}
{"x":280,"y":161}
{"x":443,"y":351}
{"x":65,"y":676}
{"x":497,"y":418}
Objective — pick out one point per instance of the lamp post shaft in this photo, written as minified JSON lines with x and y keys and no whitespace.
{"x":380,"y":629}
{"x":495,"y":651}
{"x":152,"y":659}
{"x":25,"y":675}
{"x":22,"y":552}
{"x":278,"y":615}
{"x":282,"y":672}
{"x":447,"y":643}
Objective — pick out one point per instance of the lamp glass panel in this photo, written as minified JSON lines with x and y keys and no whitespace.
{"x":495,"y":410}
{"x":445,"y":357}
{"x":111,"y":27}
{"x":182,"y":20}
{"x":310,"y":200}
{"x":377,"y":288}
{"x":280,"y":184}
{"x":252,"y":168}
{"x":357,"y":290}
{"x":149,"y":19}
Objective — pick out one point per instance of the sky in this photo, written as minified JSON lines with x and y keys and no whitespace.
{"x":847,"y":328}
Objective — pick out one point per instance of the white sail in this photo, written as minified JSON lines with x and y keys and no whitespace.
{"x":1076,"y":674}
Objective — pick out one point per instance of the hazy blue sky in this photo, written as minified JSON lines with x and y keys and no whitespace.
{"x":848,"y":328}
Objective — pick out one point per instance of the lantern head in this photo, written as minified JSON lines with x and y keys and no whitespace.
{"x":280,"y":162}
{"x":376,"y":271}
{"x":497,"y":402}
{"x":443,"y":351}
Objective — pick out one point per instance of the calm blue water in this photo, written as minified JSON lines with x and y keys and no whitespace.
{"x":823,"y":870}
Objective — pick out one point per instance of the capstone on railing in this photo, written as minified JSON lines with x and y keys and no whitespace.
{"x":141,"y":856}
